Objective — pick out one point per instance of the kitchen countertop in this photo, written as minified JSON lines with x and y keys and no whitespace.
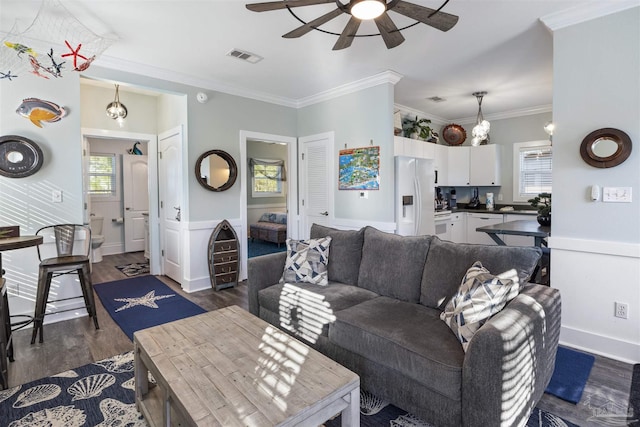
{"x":482,"y":209}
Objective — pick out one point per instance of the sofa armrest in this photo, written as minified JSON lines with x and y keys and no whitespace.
{"x":262,"y":272}
{"x":510,"y":360}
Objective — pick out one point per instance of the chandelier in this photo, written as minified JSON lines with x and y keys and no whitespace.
{"x":480,"y":131}
{"x":116,"y":109}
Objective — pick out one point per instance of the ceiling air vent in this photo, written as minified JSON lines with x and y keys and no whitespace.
{"x":436,"y":99}
{"x":245,"y":56}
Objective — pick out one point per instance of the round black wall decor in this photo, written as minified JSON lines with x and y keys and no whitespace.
{"x":19,"y":156}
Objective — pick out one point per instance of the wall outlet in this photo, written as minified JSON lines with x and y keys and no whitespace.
{"x":500,"y":197}
{"x":621,"y":310}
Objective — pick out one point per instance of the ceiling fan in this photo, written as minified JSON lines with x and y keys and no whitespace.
{"x":362,"y":10}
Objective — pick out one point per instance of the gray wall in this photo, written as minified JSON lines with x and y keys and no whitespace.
{"x":357,"y":119}
{"x":597,"y":85}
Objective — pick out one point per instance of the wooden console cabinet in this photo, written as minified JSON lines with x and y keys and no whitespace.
{"x":223,"y":256}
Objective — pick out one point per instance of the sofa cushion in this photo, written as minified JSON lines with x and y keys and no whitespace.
{"x":345,"y":254}
{"x":406,"y":337}
{"x":393,"y":265}
{"x":480,"y":296}
{"x":307,"y":261}
{"x":448,"y":262}
{"x":305,"y":309}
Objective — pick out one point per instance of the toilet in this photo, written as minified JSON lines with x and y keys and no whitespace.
{"x":97,"y":239}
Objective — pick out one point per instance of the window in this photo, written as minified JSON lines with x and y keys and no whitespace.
{"x":102,"y":174}
{"x":267,"y":177}
{"x":531,"y":169}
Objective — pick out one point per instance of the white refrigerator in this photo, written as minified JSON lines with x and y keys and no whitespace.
{"x":414,"y":196}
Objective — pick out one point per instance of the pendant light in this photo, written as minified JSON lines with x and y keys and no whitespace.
{"x":116,"y":110}
{"x":480,"y":131}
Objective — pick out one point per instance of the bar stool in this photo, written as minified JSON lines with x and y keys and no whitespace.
{"x":6,"y":342}
{"x":65,"y":262}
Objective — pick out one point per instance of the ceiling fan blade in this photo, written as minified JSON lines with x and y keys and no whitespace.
{"x":348,"y":34}
{"x":441,"y":20}
{"x":304,"y":29}
{"x":388,"y":30}
{"x":276,"y":5}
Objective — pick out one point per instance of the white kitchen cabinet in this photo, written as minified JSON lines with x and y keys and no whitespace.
{"x":458,"y":227}
{"x":458,"y":166}
{"x":440,"y":164}
{"x":475,"y":220}
{"x":415,"y":148}
{"x":484,"y":165}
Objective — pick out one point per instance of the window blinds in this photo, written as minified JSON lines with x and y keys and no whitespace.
{"x":535,"y":170}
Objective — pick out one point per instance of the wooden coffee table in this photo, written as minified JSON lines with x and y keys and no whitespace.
{"x":230,"y":368}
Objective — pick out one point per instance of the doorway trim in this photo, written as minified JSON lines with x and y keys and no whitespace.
{"x":293,"y":218}
{"x":152,"y":148}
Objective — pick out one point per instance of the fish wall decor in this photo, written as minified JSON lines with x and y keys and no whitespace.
{"x":39,"y":110}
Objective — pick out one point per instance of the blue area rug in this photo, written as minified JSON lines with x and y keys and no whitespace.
{"x":377,"y":413}
{"x":142,"y":302}
{"x":570,"y":374}
{"x":259,"y":247}
{"x":101,"y":393}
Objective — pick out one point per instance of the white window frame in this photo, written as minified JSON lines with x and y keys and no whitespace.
{"x":256,"y":194}
{"x":115,"y":194}
{"x":518,"y":147}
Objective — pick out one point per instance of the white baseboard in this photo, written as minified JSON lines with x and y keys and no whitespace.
{"x":623,"y":351}
{"x":112,"y":249}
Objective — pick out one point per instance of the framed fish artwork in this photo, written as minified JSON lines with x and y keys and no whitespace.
{"x":39,"y":110}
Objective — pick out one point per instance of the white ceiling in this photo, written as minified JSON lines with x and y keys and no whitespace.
{"x":497,"y":45}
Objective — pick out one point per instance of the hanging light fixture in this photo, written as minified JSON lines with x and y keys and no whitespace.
{"x":549,"y":127}
{"x":480,"y":131}
{"x":116,"y":110}
{"x":367,"y":9}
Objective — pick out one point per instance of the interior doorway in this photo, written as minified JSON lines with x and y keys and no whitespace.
{"x":114,"y":213}
{"x":262,"y":141}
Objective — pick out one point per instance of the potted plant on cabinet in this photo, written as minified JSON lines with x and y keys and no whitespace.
{"x":542,"y":202}
{"x":418,"y":128}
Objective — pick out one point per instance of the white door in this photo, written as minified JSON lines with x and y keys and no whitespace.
{"x":135,"y":173}
{"x":85,"y":181}
{"x":316,"y":176}
{"x":170,"y":177}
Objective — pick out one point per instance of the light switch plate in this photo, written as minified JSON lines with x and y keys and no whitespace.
{"x":56,"y":196}
{"x":616,"y":194}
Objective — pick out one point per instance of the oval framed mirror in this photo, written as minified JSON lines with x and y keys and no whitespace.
{"x":605,"y":148}
{"x":216,"y":170}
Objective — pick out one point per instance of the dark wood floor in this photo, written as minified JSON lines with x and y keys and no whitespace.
{"x":73,"y":343}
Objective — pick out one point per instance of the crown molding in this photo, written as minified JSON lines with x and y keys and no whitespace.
{"x":368,"y":82}
{"x":508,"y":114}
{"x":436,"y":120}
{"x":172,"y":76}
{"x":576,"y":15}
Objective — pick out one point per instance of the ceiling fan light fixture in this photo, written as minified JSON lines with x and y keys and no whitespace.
{"x":367,"y":9}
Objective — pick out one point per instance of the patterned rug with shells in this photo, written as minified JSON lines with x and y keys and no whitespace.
{"x":98,"y":394}
{"x":102,"y":394}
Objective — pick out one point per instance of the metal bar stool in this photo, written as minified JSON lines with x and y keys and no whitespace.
{"x":6,"y":342}
{"x":65,"y":262}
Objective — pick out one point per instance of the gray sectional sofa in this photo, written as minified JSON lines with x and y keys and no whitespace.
{"x":380,"y":317}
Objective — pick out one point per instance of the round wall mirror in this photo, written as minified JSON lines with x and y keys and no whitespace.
{"x":19,"y":156}
{"x":605,"y":148}
{"x":216,"y":170}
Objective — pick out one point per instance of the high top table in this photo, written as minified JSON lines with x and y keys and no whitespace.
{"x":527,"y":228}
{"x":6,"y":342}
